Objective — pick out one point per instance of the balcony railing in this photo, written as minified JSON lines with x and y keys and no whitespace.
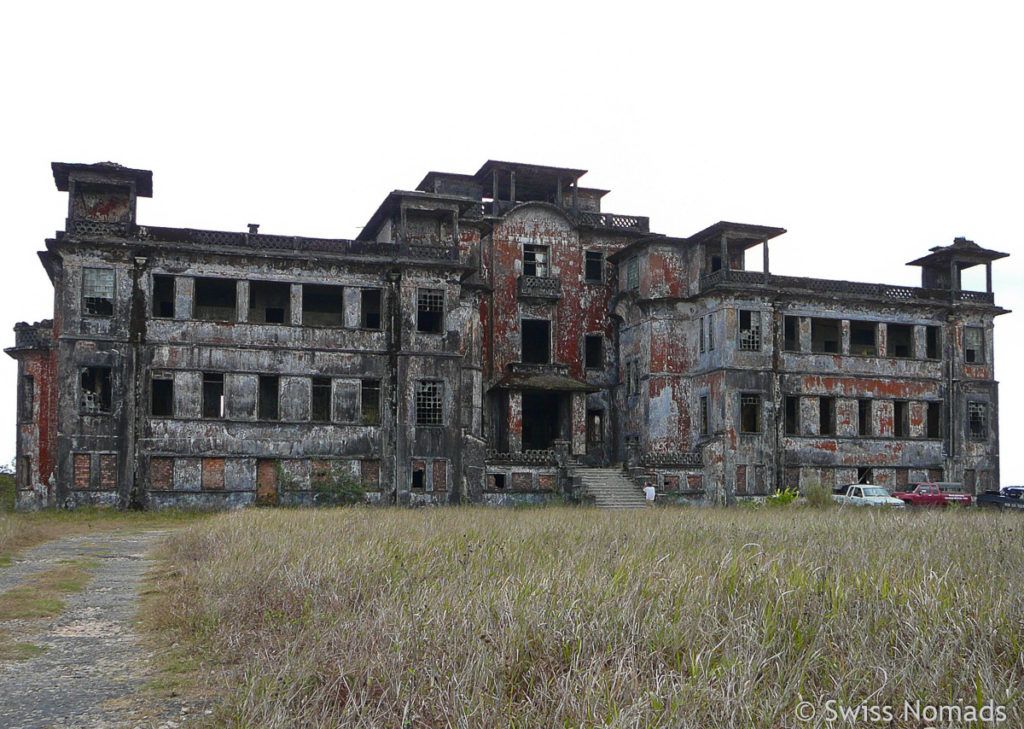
{"x":530,"y":368}
{"x":540,"y":287}
{"x":635,"y":223}
{"x":828,"y":286}
{"x":672,"y":458}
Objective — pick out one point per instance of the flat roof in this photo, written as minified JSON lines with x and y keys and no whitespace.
{"x":103,"y":172}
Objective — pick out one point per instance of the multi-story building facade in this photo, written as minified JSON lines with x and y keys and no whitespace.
{"x":484,"y":336}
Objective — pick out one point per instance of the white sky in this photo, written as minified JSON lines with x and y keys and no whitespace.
{"x":871,"y":131}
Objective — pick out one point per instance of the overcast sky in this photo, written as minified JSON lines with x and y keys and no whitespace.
{"x":872,"y":131}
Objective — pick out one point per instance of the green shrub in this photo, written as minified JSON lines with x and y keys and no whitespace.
{"x":6,"y":492}
{"x":337,"y":488}
{"x":783,"y":498}
{"x":818,"y":496}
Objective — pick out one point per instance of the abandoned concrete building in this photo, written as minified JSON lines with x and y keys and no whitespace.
{"x":491,"y":337}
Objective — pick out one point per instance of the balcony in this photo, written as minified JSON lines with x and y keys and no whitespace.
{"x":539,"y":287}
{"x":828,"y":286}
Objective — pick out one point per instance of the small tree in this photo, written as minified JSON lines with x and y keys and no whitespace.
{"x":337,"y":488}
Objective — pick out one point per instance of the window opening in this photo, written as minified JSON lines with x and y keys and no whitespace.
{"x":163,"y":296}
{"x":369,"y":309}
{"x":791,"y":333}
{"x":825,"y":336}
{"x":826,"y":416}
{"x":933,"y":416}
{"x":535,"y":261}
{"x":323,"y":305}
{"x":701,"y":336}
{"x":536,"y":344}
{"x":269,"y":302}
{"x":931,"y":348}
{"x":633,"y":273}
{"x":594,"y":266}
{"x":792,"y":415}
{"x":429,"y":403}
{"x":863,"y":475}
{"x":320,"y":407}
{"x":96,"y":395}
{"x":98,"y":291}
{"x":268,"y":397}
{"x":899,"y":340}
{"x":594,"y":351}
{"x":863,"y":338}
{"x":215,"y":299}
{"x":711,"y":332}
{"x":213,"y":395}
{"x":974,"y":345}
{"x":900,"y":420}
{"x":750,"y":331}
{"x":750,"y":413}
{"x":370,"y":402}
{"x":705,"y":416}
{"x":864,"y":426}
{"x":977,"y":420}
{"x":430,"y":310}
{"x":595,"y":432}
{"x":162,"y":396}
{"x":419,"y":477}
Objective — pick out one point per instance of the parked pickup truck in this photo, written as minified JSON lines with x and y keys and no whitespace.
{"x":1007,"y":498}
{"x":930,"y":494}
{"x":864,"y":494}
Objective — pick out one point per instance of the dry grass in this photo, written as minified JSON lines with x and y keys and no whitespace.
{"x":40,"y":596}
{"x":571,"y":617}
{"x":16,"y":651}
{"x":19,"y":531}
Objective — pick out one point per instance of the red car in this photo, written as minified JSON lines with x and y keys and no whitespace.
{"x":929,"y":494}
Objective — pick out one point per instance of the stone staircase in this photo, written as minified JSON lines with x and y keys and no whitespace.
{"x":610,"y":488}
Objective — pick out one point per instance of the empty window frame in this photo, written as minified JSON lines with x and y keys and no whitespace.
{"x":369,"y":309}
{"x":826,"y":416}
{"x":864,"y":474}
{"x":825,"y":336}
{"x":323,"y":305}
{"x":974,"y":345}
{"x":163,"y":296}
{"x":791,"y":333}
{"x":213,"y":395}
{"x":711,"y":332}
{"x":26,"y":398}
{"x":593,"y":355}
{"x":536,"y":341}
{"x":270,"y":302}
{"x":792,"y":424}
{"x":98,"y":291}
{"x":931,"y":342}
{"x":701,"y":345}
{"x":96,"y":390}
{"x":419,"y":477}
{"x":864,"y":423}
{"x":864,"y":338}
{"x":594,"y":266}
{"x":320,"y":400}
{"x":430,"y":310}
{"x":633,"y":273}
{"x":750,"y":413}
{"x":161,"y":396}
{"x":933,"y":420}
{"x":750,"y":331}
{"x":705,"y":416}
{"x":535,"y":261}
{"x":900,"y":418}
{"x":429,"y":402}
{"x":899,"y":340}
{"x":369,"y":399}
{"x":215,"y":299}
{"x":595,"y":430}
{"x":268,"y":398}
{"x":977,"y":420}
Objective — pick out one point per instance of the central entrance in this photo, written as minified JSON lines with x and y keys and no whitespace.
{"x":545,"y":419}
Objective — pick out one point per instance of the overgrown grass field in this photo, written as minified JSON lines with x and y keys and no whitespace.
{"x":565,"y":617}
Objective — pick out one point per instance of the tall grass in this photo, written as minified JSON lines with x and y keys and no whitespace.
{"x":567,"y":617}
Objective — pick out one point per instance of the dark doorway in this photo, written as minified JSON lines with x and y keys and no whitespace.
{"x":543,"y":419}
{"x":536,"y":341}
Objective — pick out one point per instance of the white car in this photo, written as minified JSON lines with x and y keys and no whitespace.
{"x":865,"y":494}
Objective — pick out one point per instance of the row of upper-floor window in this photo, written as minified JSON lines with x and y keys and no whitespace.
{"x":330,"y":399}
{"x":902,"y":340}
{"x":537,"y":263}
{"x":825,"y":423}
{"x":270,"y":302}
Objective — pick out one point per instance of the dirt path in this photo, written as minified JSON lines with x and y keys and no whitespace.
{"x":94,"y":663}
